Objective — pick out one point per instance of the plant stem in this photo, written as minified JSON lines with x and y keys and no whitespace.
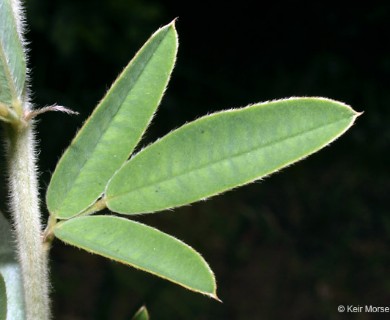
{"x":27,"y":220}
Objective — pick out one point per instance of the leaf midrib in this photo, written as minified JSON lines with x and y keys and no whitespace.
{"x":102,"y":132}
{"x":236,"y":155}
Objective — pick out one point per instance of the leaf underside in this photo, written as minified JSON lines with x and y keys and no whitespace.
{"x":141,"y":314}
{"x":3,"y":299}
{"x":140,"y":246}
{"x":203,"y":158}
{"x":12,"y":58}
{"x":110,"y":134}
{"x":11,"y":290}
{"x":225,"y":150}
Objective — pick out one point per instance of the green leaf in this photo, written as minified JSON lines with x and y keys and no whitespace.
{"x":141,"y":314}
{"x":12,"y":59}
{"x":11,"y":274}
{"x":225,"y":150}
{"x":113,"y":130}
{"x":3,"y":299}
{"x":140,"y":246}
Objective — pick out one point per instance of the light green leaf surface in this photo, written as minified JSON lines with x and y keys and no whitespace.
{"x":3,"y":299}
{"x":12,"y":59}
{"x":225,"y":150}
{"x":141,"y":314}
{"x":140,"y":246}
{"x":113,"y":130}
{"x":10,"y":273}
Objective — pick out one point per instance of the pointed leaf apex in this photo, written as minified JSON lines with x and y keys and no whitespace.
{"x":215,"y":297}
{"x":115,"y":127}
{"x":141,"y":314}
{"x":141,"y":247}
{"x":225,"y":150}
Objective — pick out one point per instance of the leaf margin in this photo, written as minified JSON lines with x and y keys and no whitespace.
{"x":353,"y":115}
{"x":49,"y":202}
{"x":212,"y":294}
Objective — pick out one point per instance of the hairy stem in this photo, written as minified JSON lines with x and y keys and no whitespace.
{"x":27,"y":220}
{"x":17,"y":115}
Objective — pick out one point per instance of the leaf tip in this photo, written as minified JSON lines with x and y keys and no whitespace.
{"x":171,"y":25}
{"x":357,"y":113}
{"x":215,"y":297}
{"x":210,"y":293}
{"x":141,"y":314}
{"x":173,"y":22}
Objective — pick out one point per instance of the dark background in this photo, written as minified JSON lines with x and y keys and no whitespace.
{"x":294,"y":246}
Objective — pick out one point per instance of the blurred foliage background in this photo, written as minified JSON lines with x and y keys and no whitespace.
{"x":295,"y":245}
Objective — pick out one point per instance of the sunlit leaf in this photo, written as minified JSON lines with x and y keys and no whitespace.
{"x":140,"y":246}
{"x":141,"y":314}
{"x":12,"y":59}
{"x":225,"y":150}
{"x":113,"y":130}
